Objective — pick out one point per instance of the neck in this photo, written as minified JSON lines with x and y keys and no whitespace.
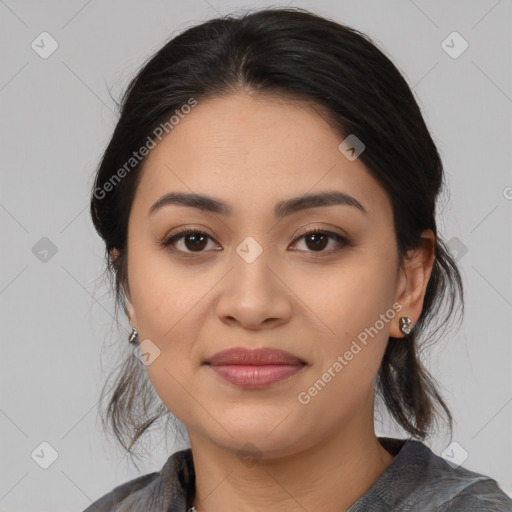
{"x":328,"y":476}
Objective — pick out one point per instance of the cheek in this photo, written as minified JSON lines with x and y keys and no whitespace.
{"x":161,"y":294}
{"x":355,"y":295}
{"x":165,"y":302}
{"x":168,"y":380}
{"x":355,"y":307}
{"x":353,"y":338}
{"x":168,"y":318}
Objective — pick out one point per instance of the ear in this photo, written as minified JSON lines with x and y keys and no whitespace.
{"x":413,"y":281}
{"x":129,"y":306}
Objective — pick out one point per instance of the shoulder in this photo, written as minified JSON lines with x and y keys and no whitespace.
{"x":484,"y":495}
{"x":174,"y":484}
{"x":418,"y":479}
{"x":449,"y":488}
{"x":108,"y":501}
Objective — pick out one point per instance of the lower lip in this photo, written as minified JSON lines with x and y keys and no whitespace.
{"x":256,"y":376}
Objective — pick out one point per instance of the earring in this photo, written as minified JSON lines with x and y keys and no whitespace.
{"x":134,"y":336}
{"x":405,"y":324}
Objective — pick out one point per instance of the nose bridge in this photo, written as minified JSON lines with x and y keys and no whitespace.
{"x":251,"y":262}
{"x":252,"y":293}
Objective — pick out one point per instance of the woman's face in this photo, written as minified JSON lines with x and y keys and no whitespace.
{"x":256,"y":281}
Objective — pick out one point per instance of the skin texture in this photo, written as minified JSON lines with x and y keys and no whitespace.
{"x":252,"y":152}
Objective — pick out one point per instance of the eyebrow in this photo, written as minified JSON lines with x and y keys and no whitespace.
{"x":281,"y":210}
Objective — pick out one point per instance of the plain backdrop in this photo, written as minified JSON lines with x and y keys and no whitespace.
{"x":57,"y":317}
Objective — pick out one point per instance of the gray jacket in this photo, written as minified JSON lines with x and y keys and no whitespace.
{"x":416,"y":480}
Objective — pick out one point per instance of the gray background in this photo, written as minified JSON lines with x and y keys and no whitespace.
{"x":57,"y":316}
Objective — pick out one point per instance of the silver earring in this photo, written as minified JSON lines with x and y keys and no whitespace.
{"x":405,"y":324}
{"x":134,"y":336}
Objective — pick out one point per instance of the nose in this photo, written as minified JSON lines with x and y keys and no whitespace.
{"x":254,"y":295}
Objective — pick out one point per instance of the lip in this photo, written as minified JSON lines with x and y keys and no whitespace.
{"x":254,"y":368}
{"x":253,"y":356}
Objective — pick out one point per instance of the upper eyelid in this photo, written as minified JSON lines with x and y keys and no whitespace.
{"x":187,"y":230}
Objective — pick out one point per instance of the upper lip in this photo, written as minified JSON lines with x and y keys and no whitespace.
{"x":253,"y":356}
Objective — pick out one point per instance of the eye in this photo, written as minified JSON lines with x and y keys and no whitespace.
{"x":194,"y":241}
{"x":318,"y":239}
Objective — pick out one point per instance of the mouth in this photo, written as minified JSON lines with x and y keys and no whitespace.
{"x":254,"y":368}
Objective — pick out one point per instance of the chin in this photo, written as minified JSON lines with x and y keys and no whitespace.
{"x":263,"y":441}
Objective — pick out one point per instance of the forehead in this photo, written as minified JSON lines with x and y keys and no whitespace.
{"x":255,"y":150}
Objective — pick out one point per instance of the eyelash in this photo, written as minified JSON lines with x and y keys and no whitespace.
{"x":340,"y":240}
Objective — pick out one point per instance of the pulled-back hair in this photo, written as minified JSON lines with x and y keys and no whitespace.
{"x":293,"y":54}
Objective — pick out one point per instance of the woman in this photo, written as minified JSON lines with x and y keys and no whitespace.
{"x":268,"y":202}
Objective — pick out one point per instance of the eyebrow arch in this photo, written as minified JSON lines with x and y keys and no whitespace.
{"x":281,"y":210}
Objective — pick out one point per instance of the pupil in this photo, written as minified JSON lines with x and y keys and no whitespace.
{"x":318,"y":238}
{"x":197,"y":240}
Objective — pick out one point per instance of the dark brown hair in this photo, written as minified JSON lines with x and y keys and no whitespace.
{"x":289,"y":53}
